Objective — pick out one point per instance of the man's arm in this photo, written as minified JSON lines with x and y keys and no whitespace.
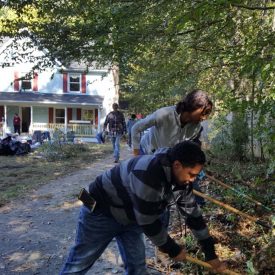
{"x":106,"y":122}
{"x":188,"y":207}
{"x":198,"y":136}
{"x":139,"y":127}
{"x":148,"y":207}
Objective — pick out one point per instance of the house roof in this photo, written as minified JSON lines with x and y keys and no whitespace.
{"x":72,"y":66}
{"x":40,"y":99}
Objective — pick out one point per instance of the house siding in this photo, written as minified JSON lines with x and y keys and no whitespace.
{"x":11,"y":110}
{"x":53,"y":80}
{"x":40,"y":114}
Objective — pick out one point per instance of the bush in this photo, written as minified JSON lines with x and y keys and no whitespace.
{"x":58,"y":151}
{"x":228,"y":137}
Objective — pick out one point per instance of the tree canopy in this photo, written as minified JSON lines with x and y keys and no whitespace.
{"x":163,"y":48}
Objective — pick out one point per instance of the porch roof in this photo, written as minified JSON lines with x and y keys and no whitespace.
{"x":38,"y":99}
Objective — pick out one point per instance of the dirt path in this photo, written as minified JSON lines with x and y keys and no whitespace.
{"x":37,"y":231}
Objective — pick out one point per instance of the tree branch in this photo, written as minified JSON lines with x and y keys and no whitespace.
{"x":207,"y":24}
{"x":253,"y":8}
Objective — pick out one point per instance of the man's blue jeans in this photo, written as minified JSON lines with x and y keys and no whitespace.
{"x":116,"y":146}
{"x":94,"y":232}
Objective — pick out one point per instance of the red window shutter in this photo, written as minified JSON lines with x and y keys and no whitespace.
{"x":78,"y":114}
{"x":16,"y":82}
{"x":65,"y":83}
{"x":35,"y":82}
{"x":69,"y":114}
{"x":50,"y":115}
{"x":96,"y":116}
{"x":1,"y":113}
{"x":83,"y":83}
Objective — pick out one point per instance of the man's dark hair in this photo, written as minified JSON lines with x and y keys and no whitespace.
{"x":133,"y":116}
{"x":193,"y":101}
{"x":188,"y":153}
{"x":115,"y":106}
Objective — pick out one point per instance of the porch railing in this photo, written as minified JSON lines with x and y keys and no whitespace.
{"x":79,"y":129}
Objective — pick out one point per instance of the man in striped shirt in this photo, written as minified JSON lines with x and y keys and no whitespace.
{"x":131,"y":198}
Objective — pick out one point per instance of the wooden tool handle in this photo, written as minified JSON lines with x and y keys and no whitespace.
{"x":226,"y":206}
{"x":208,"y":266}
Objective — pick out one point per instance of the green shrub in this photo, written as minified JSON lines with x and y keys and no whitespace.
{"x":58,"y":151}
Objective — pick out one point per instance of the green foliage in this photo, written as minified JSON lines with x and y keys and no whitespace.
{"x":164,"y":49}
{"x":250,"y":268}
{"x":58,"y":151}
{"x":239,"y":134}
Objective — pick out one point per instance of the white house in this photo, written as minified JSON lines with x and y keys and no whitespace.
{"x":75,"y":97}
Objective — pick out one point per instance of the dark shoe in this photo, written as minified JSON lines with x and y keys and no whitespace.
{"x":116,"y":161}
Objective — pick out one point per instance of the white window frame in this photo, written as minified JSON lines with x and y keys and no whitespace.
{"x":55,"y":117}
{"x":69,"y":82}
{"x":26,"y":80}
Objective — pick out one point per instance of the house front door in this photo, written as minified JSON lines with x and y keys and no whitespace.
{"x":26,"y":119}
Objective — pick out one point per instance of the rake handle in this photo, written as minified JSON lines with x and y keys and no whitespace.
{"x":232,"y":209}
{"x":233,"y":189}
{"x":208,"y":266}
{"x":226,"y":206}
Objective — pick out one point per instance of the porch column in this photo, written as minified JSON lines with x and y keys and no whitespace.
{"x":98,"y":119}
{"x":66,"y":120}
{"x":31,"y":121}
{"x":5,"y":119}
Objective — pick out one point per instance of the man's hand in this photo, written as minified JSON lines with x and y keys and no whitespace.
{"x":217,"y":265}
{"x":181,"y":256}
{"x":136,"y":152}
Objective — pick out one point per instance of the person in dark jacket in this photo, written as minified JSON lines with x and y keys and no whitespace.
{"x":131,"y":198}
{"x":117,"y":127}
{"x":16,"y":123}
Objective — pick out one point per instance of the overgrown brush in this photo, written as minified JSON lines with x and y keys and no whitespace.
{"x":59,"y":151}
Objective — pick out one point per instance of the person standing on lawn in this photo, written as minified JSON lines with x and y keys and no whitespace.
{"x":130,"y":200}
{"x":117,"y":128}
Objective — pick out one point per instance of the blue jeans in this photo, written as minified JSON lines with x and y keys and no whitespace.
{"x":94,"y":232}
{"x":116,"y":146}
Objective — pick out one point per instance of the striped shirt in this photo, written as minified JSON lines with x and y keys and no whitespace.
{"x":138,"y":190}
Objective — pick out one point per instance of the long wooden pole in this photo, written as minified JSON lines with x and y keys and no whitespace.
{"x":230,"y":208}
{"x":198,"y":262}
{"x":236,"y":191}
{"x":207,"y":265}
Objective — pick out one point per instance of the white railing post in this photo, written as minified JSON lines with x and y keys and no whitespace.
{"x":66,"y":120}
{"x":31,"y":122}
{"x":5,"y":120}
{"x":99,"y":118}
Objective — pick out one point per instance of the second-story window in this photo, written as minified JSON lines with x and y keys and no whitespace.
{"x":26,"y":84}
{"x":74,"y":82}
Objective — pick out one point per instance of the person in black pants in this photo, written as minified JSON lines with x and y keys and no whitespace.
{"x":16,"y":123}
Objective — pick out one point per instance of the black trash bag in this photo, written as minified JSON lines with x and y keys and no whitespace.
{"x":10,"y":147}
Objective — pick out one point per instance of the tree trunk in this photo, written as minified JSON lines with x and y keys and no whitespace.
{"x":252,"y":118}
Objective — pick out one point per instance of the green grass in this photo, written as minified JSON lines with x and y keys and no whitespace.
{"x":20,"y":174}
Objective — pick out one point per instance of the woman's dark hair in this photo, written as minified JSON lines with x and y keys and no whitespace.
{"x":193,"y":101}
{"x":188,"y":153}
